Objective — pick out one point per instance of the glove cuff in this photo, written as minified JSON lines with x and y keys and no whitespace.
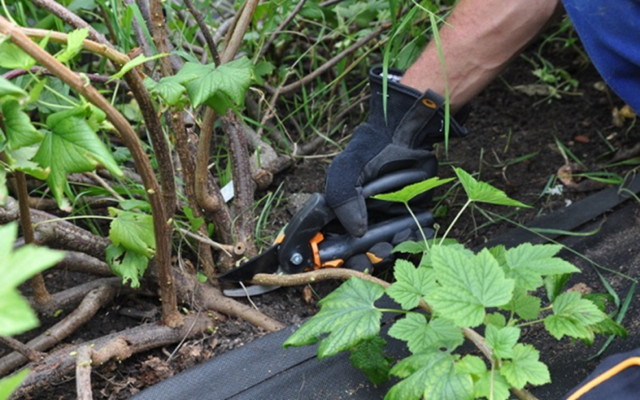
{"x":413,"y":119}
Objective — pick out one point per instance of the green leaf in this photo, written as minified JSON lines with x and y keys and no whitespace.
{"x":411,"y":284}
{"x":492,"y":386}
{"x":539,"y":257}
{"x":347,"y":314}
{"x":71,"y":146}
{"x":407,"y":193}
{"x":170,"y":88}
{"x":496,"y":319}
{"x":554,"y":284}
{"x":571,"y":316}
{"x":139,"y":60}
{"x":502,"y":340}
{"x":8,"y":89}
{"x":422,"y":336}
{"x":431,"y":376}
{"x":9,"y":384}
{"x":18,"y":128}
{"x":525,"y":367}
{"x":523,"y":304}
{"x":133,"y":231}
{"x":16,"y":315}
{"x":13,"y":57}
{"x":128,"y":265}
{"x":231,"y":79}
{"x":21,"y":160}
{"x":75,"y":41}
{"x":609,"y":327}
{"x":473,"y":365}
{"x":367,"y":356}
{"x":469,"y":284}
{"x":410,"y":247}
{"x":482,"y":192}
{"x":262,"y":69}
{"x":194,"y":222}
{"x":16,"y":267}
{"x":19,"y":265}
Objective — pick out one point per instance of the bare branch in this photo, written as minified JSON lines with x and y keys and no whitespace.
{"x":83,"y":373}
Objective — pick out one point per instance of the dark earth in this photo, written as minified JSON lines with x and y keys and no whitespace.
{"x":513,"y":145}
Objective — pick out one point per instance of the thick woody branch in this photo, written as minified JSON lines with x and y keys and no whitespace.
{"x":119,"y":346}
{"x":85,"y":311}
{"x":83,"y":373}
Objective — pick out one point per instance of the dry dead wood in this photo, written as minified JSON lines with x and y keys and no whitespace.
{"x":119,"y":346}
{"x":85,"y":311}
{"x":83,"y":373}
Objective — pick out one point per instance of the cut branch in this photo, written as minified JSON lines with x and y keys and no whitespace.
{"x":119,"y":346}
{"x":85,"y":311}
{"x":83,"y":373}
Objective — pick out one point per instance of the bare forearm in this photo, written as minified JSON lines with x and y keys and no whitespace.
{"x":478,"y":40}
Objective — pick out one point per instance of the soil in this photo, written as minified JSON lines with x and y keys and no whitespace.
{"x":512,"y":145}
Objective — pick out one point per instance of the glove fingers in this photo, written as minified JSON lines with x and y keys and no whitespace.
{"x":353,"y":215}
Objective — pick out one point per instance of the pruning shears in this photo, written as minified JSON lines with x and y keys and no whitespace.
{"x":315,"y":239}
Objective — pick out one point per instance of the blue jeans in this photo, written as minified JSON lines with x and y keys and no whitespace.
{"x":610,"y":32}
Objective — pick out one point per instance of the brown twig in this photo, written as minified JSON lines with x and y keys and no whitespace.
{"x":83,"y":373}
{"x":280,"y":27}
{"x":31,"y":354}
{"x":119,"y":346}
{"x":205,"y":31}
{"x":80,"y":262}
{"x":333,"y":61}
{"x":40,"y":291}
{"x":240,"y":28}
{"x":92,"y":302}
{"x":71,"y":19}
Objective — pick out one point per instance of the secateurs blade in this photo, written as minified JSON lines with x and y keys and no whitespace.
{"x":315,"y":239}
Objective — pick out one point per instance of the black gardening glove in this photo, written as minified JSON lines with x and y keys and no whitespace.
{"x":415,"y":121}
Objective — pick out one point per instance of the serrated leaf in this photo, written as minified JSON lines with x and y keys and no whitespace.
{"x":525,"y":367}
{"x":262,"y":69}
{"x":349,"y":316}
{"x":21,"y":160}
{"x":432,"y":376}
{"x":473,"y":365}
{"x":527,"y":260}
{"x":133,"y":231}
{"x":554,"y":284}
{"x":75,"y":41}
{"x":483,"y":192}
{"x":571,"y":316}
{"x":496,"y":319}
{"x":609,"y":327}
{"x":169,"y":88}
{"x":13,"y":57}
{"x":502,"y":340}
{"x":410,"y":247}
{"x":128,"y":265}
{"x":8,"y":89}
{"x":139,"y":60}
{"x":411,"y":284}
{"x":468,"y":284}
{"x":526,"y":306}
{"x":422,"y":336}
{"x":71,"y":146}
{"x":368,"y":357}
{"x":231,"y":79}
{"x":407,"y":193}
{"x":10,"y":383}
{"x":18,"y":128}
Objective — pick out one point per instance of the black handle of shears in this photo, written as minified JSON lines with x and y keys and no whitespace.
{"x":295,"y":253}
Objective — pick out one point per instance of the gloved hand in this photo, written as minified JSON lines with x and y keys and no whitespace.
{"x":414,"y":123}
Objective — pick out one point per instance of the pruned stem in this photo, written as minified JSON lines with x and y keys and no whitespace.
{"x":83,"y":373}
